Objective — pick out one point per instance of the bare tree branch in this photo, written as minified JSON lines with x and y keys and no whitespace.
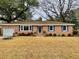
{"x":57,"y":8}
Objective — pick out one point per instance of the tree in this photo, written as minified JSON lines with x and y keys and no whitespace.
{"x":59,"y":9}
{"x":11,"y":10}
{"x":74,"y":19}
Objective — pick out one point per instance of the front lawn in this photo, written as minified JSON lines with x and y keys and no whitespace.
{"x":40,"y":48}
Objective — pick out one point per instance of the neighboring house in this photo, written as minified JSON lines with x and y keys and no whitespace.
{"x":39,"y":27}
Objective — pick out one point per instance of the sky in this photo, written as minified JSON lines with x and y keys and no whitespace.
{"x":36,"y":16}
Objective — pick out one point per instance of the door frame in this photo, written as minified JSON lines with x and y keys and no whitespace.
{"x":1,"y":31}
{"x":40,"y":29}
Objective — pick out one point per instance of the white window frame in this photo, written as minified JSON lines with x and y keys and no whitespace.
{"x":66,"y":28}
{"x":22,"y":27}
{"x":53,"y":28}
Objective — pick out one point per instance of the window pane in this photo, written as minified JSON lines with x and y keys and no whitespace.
{"x":64,"y":27}
{"x":51,"y":28}
{"x":26,"y":28}
{"x":21,"y":27}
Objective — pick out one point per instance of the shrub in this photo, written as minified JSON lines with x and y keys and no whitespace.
{"x":48,"y":34}
{"x":54,"y":35}
{"x":69,"y":34}
{"x":22,"y":34}
{"x":35,"y":33}
{"x":15,"y":34}
{"x":63,"y":34}
{"x":59,"y":35}
{"x":26,"y":34}
{"x":31,"y":34}
{"x":7,"y":38}
{"x":75,"y":32}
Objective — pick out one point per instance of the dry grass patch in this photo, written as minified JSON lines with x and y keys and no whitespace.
{"x":40,"y":48}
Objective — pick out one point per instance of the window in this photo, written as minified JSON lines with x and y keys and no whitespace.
{"x":64,"y":28}
{"x":21,"y":27}
{"x":51,"y":28}
{"x":26,"y":28}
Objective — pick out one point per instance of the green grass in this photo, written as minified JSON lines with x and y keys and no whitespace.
{"x":40,"y":48}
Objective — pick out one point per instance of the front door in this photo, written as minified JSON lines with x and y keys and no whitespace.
{"x":39,"y":29}
{"x":0,"y":31}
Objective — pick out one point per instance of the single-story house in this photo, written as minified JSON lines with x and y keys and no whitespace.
{"x":39,"y":27}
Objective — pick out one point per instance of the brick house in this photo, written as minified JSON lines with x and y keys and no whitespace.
{"x":39,"y":27}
